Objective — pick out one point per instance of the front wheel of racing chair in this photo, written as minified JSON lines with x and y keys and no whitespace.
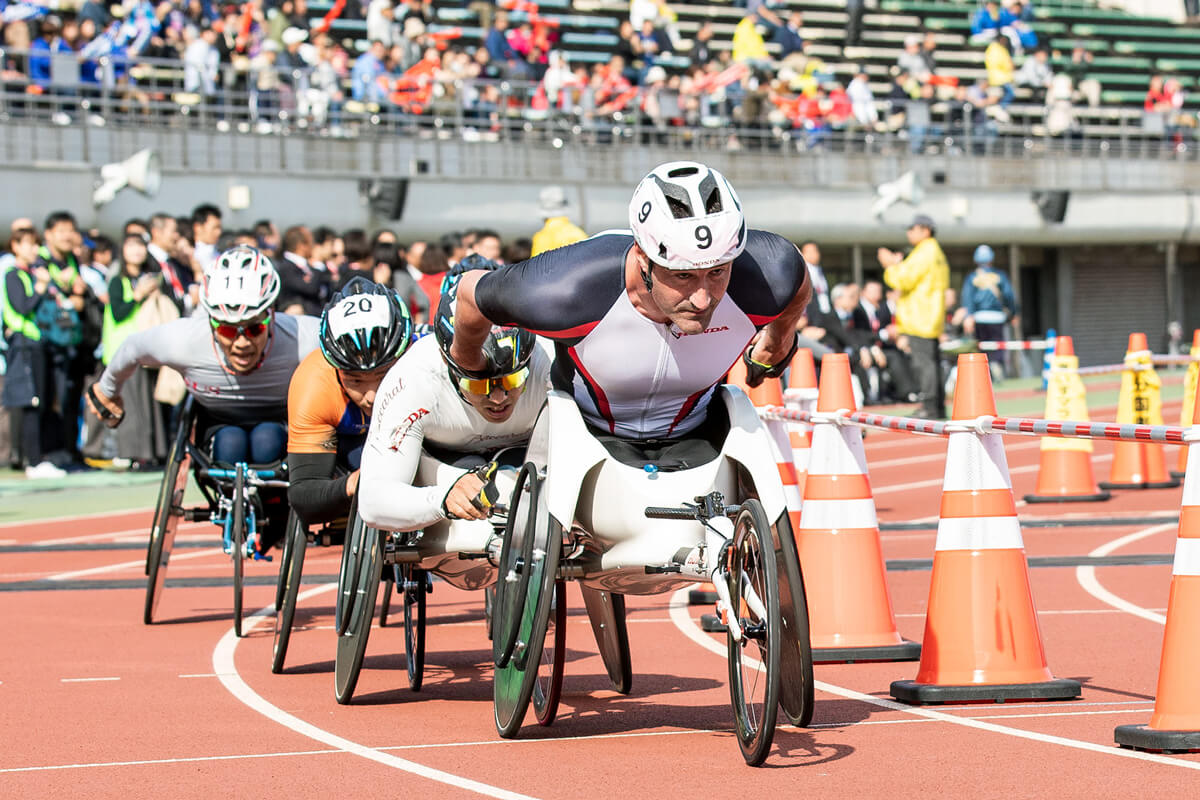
{"x":366,"y":563}
{"x":529,"y":558}
{"x":167,"y":513}
{"x":414,"y":584}
{"x":237,"y":539}
{"x":288,"y":588}
{"x":547,"y":689}
{"x":754,"y":660}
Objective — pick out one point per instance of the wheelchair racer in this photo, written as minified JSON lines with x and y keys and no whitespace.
{"x":431,"y":414}
{"x":364,"y":330}
{"x":646,"y":322}
{"x":236,"y":359}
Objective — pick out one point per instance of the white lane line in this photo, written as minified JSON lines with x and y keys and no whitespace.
{"x":142,"y":534}
{"x":74,"y":517}
{"x":198,"y":675}
{"x":941,"y":456}
{"x":1087,"y":575}
{"x":904,"y":487}
{"x":632,"y":735}
{"x":152,"y":762}
{"x":86,"y":680}
{"x":79,"y":573}
{"x":225,"y":666}
{"x":1044,"y":612}
{"x":683,"y":621}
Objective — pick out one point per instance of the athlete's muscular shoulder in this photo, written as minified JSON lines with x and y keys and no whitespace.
{"x":768,"y":274}
{"x":561,"y":292}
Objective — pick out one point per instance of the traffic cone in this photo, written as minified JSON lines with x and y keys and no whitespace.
{"x":1065,"y":469}
{"x":801,"y":396}
{"x":849,"y":609}
{"x":1139,"y":465}
{"x":1189,"y":401}
{"x":982,"y":640}
{"x":766,"y":394}
{"x":1175,"y":724}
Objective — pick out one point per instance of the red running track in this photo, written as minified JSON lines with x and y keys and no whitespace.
{"x":97,"y":704}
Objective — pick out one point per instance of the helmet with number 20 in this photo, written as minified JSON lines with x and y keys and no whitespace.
{"x":685,"y":215}
{"x":364,"y":327}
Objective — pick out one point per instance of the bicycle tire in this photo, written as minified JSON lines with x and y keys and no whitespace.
{"x":237,"y":535}
{"x":796,"y":679}
{"x":348,"y":572}
{"x":352,"y":645}
{"x":547,"y":686}
{"x":290,"y":573}
{"x":751,"y":575}
{"x":162,"y":534}
{"x":511,"y":591}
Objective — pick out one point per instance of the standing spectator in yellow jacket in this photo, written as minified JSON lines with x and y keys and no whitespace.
{"x":1000,"y":70}
{"x":558,"y":231}
{"x":922,"y":279}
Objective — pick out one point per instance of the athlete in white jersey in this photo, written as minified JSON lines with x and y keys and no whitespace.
{"x":428,"y":416}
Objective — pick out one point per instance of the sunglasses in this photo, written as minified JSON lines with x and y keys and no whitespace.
{"x":252,"y":330}
{"x":485,"y":386}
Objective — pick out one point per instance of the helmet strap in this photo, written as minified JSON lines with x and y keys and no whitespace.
{"x":647,"y":276}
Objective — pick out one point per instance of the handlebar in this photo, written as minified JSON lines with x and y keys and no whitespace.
{"x":658,"y":512}
{"x":705,"y":508}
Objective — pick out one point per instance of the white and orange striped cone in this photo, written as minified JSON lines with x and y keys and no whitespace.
{"x":801,"y":395}
{"x":1065,"y":465}
{"x":1175,"y":724}
{"x":982,"y":640}
{"x":849,"y":608}
{"x":1139,"y":465}
{"x":1189,"y":401}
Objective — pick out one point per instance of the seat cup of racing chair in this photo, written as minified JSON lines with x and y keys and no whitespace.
{"x":605,"y":500}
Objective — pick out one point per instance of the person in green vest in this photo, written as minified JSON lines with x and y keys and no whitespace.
{"x":62,"y":334}
{"x":128,"y":290}
{"x":25,"y":288}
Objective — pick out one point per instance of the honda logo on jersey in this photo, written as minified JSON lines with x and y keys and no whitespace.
{"x":678,"y":333}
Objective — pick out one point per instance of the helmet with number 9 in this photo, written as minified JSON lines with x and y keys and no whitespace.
{"x":685,"y":215}
{"x":507,"y":349}
{"x":240,"y":285}
{"x":364,"y":327}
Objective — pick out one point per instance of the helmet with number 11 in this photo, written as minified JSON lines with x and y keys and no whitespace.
{"x":686,"y":216}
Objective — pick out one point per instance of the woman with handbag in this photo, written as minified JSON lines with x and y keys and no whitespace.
{"x":26,"y":289}
{"x":129,"y":290}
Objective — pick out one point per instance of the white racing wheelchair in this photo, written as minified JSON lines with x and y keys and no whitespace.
{"x":578,"y":513}
{"x":461,"y":552}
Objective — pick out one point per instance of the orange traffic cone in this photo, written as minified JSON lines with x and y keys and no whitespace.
{"x":850,"y":611}
{"x":1139,"y":465}
{"x":766,"y":394}
{"x":801,"y":396}
{"x":1189,"y":401}
{"x":1065,"y":470}
{"x":1175,"y":724}
{"x":982,"y":640}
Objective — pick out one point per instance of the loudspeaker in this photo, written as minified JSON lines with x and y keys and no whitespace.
{"x":386,"y":197}
{"x":906,"y":188}
{"x":1052,"y":205}
{"x":142,"y":171}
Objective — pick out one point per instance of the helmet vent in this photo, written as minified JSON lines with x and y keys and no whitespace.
{"x":677,"y":199}
{"x":711,"y":194}
{"x":682,"y":172}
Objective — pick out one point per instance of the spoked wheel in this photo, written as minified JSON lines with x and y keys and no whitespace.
{"x":413,"y":589}
{"x":525,"y":616}
{"x":795,"y":657}
{"x":352,"y":645}
{"x":548,"y":688}
{"x":166,"y":520}
{"x":237,"y":535}
{"x":754,"y":661}
{"x":516,"y":551}
{"x":288,"y":588}
{"x":352,"y":546}
{"x":606,"y":612}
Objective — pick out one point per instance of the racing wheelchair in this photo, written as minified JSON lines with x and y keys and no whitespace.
{"x":578,"y":513}
{"x":461,"y":552}
{"x":233,"y":503}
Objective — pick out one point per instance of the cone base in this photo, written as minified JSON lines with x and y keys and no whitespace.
{"x":1067,"y":498}
{"x":701,"y":597}
{"x":923,"y":693}
{"x":905,"y":651}
{"x":711,"y":623}
{"x":1143,"y":737}
{"x":1177,"y":474}
{"x":1171,"y":484}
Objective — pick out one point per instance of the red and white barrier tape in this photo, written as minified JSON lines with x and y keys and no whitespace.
{"x":1033,"y":344}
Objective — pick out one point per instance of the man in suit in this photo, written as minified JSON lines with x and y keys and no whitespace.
{"x":178,"y":279}
{"x":303,"y":289}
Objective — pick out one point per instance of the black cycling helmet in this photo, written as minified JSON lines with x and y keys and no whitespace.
{"x":364,"y":327}
{"x":508,"y":349}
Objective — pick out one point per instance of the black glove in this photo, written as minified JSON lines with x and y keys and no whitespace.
{"x":756,"y":372}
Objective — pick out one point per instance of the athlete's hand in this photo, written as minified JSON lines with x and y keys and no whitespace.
{"x":111,"y":410}
{"x":458,"y":501}
{"x":352,"y":484}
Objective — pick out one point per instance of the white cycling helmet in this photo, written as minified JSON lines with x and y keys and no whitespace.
{"x":685,"y":215}
{"x":241,"y":284}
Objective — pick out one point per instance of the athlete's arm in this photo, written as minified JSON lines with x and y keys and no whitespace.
{"x":314,"y":491}
{"x":315,"y":404}
{"x":775,"y":340}
{"x":161,"y":346}
{"x":471,"y":327}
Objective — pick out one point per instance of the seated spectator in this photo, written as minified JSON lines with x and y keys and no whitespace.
{"x":991,"y":22}
{"x":898,"y":97}
{"x":1023,"y":26}
{"x":998,"y":61}
{"x":789,"y":35}
{"x":380,"y":21}
{"x":897,"y":382}
{"x":862,"y":101}
{"x":368,"y":69}
{"x":748,"y":45}
{"x":702,"y":52}
{"x":1035,"y":73}
{"x":929,"y":52}
{"x":1077,"y":70}
{"x":912,"y":60}
{"x":652,"y":42}
{"x":918,"y":118}
{"x":510,"y":62}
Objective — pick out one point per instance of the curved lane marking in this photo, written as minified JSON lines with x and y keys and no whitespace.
{"x":1091,"y":584}
{"x":686,"y":625}
{"x":226,"y":669}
